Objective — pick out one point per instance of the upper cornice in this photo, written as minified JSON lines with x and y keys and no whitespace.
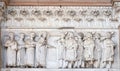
{"x":60,"y":2}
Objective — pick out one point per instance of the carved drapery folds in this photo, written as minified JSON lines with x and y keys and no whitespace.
{"x":76,"y":50}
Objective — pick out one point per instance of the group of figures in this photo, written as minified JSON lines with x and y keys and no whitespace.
{"x":77,"y":50}
{"x":26,"y":53}
{"x":86,"y":50}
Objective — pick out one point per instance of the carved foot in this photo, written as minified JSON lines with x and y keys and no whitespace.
{"x":39,"y":66}
{"x":60,"y":67}
{"x":43,"y":66}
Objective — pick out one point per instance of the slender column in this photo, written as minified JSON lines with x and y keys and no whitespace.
{"x":2,"y":10}
{"x":117,"y":16}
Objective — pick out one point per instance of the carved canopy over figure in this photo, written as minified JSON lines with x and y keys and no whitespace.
{"x":11,"y":46}
{"x":107,"y":51}
{"x":41,"y":50}
{"x":89,"y":46}
{"x":21,"y":51}
{"x":30,"y":45}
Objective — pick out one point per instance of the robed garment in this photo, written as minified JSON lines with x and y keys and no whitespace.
{"x":11,"y":52}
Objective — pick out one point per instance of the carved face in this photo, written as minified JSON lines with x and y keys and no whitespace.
{"x":11,"y":35}
{"x":32,"y":35}
{"x":22,"y":35}
{"x":108,"y":35}
{"x":70,"y":35}
{"x":97,"y":35}
{"x":44,"y":34}
{"x":88,"y":35}
{"x":80,"y":35}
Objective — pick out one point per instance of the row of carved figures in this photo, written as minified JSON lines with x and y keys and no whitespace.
{"x":87,"y":51}
{"x":76,"y":50}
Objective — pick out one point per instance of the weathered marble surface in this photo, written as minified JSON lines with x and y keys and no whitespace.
{"x":57,"y":27}
{"x":56,"y":17}
{"x":2,"y":15}
{"x":53,"y":54}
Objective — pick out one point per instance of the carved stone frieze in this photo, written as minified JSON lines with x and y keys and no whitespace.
{"x":63,"y":38}
{"x":73,"y":49}
{"x":64,"y":15}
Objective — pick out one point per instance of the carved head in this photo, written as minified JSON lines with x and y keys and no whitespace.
{"x":44,"y":34}
{"x":80,"y":35}
{"x":70,"y":35}
{"x":108,"y":35}
{"x":97,"y":35}
{"x":11,"y":35}
{"x":39,"y":34}
{"x":88,"y":35}
{"x":22,"y":35}
{"x":32,"y":34}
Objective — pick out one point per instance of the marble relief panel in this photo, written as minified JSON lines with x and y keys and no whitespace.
{"x":60,"y":49}
{"x":41,"y":38}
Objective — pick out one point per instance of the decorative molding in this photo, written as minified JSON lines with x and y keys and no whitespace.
{"x":64,"y":15}
{"x":63,"y":2}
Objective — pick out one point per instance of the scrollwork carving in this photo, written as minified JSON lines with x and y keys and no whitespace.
{"x":107,"y":13}
{"x":12,"y":12}
{"x":18,"y":19}
{"x":66,"y":19}
{"x":90,"y":19}
{"x":59,"y":13}
{"x":78,"y":19}
{"x":36,"y":12}
{"x":48,"y":13}
{"x":42,"y":19}
{"x":67,"y":12}
{"x":95,"y":13}
{"x":84,"y":13}
{"x":71,"y":13}
{"x":24,"y":12}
